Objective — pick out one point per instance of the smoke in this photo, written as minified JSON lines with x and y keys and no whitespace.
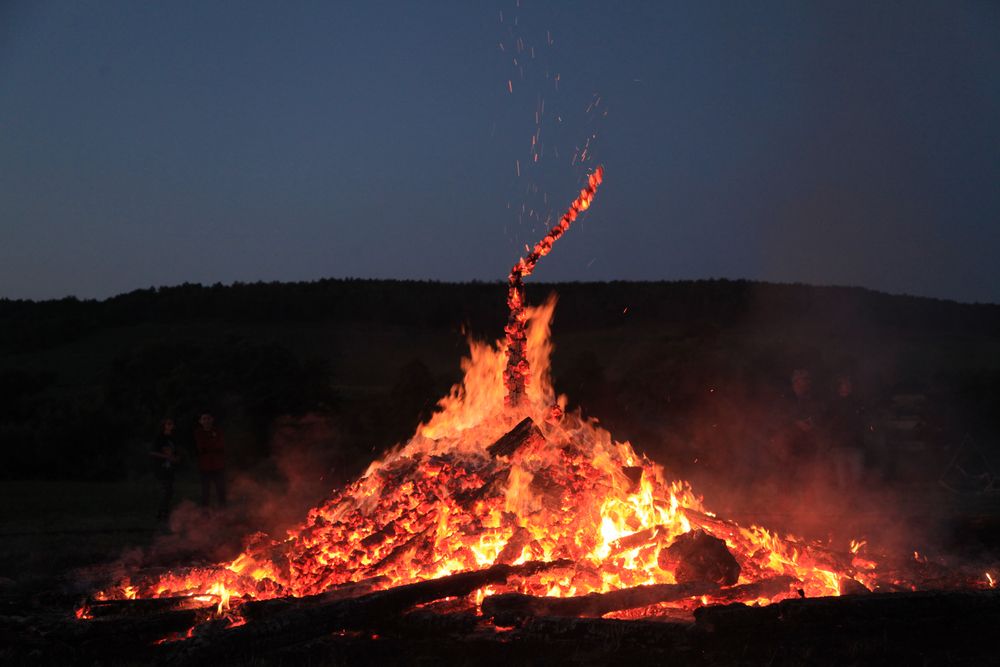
{"x":307,"y":461}
{"x":712,"y":399}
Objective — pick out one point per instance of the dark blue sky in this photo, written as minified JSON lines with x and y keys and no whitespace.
{"x":830,"y":143}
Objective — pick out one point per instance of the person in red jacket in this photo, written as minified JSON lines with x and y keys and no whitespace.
{"x":211,"y":447}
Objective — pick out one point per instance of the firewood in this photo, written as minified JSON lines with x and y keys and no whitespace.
{"x":368,"y":612}
{"x":379,"y":536}
{"x":257,"y":609}
{"x":100,"y":608}
{"x":697,"y":556}
{"x":850,"y":586}
{"x":401,"y":550}
{"x":833,"y":560}
{"x":511,"y":608}
{"x":129,"y":637}
{"x":765,"y":588}
{"x":515,"y":545}
{"x":715,"y":526}
{"x":634,"y":474}
{"x":637,"y":539}
{"x":524,"y":433}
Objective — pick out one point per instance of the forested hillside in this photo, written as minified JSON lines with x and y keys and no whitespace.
{"x":690,"y":371}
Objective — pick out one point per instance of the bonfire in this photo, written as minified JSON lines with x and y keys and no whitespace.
{"x":518,"y":506}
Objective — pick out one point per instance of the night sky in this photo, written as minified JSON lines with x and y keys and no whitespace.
{"x":846,"y":143}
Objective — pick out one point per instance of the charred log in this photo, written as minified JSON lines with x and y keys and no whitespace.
{"x":765,"y":588}
{"x":145,"y":606}
{"x":512,"y":608}
{"x":729,"y":530}
{"x":515,"y":545}
{"x":525,"y":433}
{"x":400,"y":551}
{"x":368,"y":612}
{"x":634,"y":475}
{"x":636,"y":540}
{"x":258,"y":609}
{"x":697,"y":556}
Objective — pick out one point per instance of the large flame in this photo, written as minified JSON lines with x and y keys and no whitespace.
{"x":441,"y":503}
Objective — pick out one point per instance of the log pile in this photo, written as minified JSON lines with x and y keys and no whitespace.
{"x":431,"y":622}
{"x":439,"y":621}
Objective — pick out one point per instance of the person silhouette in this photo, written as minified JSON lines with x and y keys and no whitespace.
{"x":165,"y":454}
{"x":211,"y":447}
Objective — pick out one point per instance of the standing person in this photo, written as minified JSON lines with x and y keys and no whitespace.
{"x":165,"y":454}
{"x":211,"y":449}
{"x":803,"y":416}
{"x":845,"y":424}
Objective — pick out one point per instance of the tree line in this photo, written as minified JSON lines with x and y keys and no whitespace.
{"x":82,"y":382}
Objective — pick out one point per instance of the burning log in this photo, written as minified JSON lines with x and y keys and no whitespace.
{"x":817,"y":554}
{"x":515,"y":377}
{"x":635,"y":540}
{"x":114,"y":638}
{"x":515,"y":545}
{"x":766,"y":588}
{"x":718,"y":527}
{"x":525,"y":433}
{"x":770,"y":588}
{"x":141,"y":606}
{"x":257,"y":609}
{"x":400,"y":551}
{"x":697,"y":556}
{"x":634,"y":474}
{"x":359,"y":612}
{"x":368,"y":612}
{"x":511,"y":608}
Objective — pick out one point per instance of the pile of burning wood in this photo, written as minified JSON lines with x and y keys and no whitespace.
{"x":502,"y":511}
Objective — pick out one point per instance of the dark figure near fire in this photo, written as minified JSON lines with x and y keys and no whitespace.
{"x":211,"y":448}
{"x":819,"y":439}
{"x":796,"y":439}
{"x":845,"y":425}
{"x":165,"y":459}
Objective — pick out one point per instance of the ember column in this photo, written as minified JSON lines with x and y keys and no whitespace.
{"x":517,"y":373}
